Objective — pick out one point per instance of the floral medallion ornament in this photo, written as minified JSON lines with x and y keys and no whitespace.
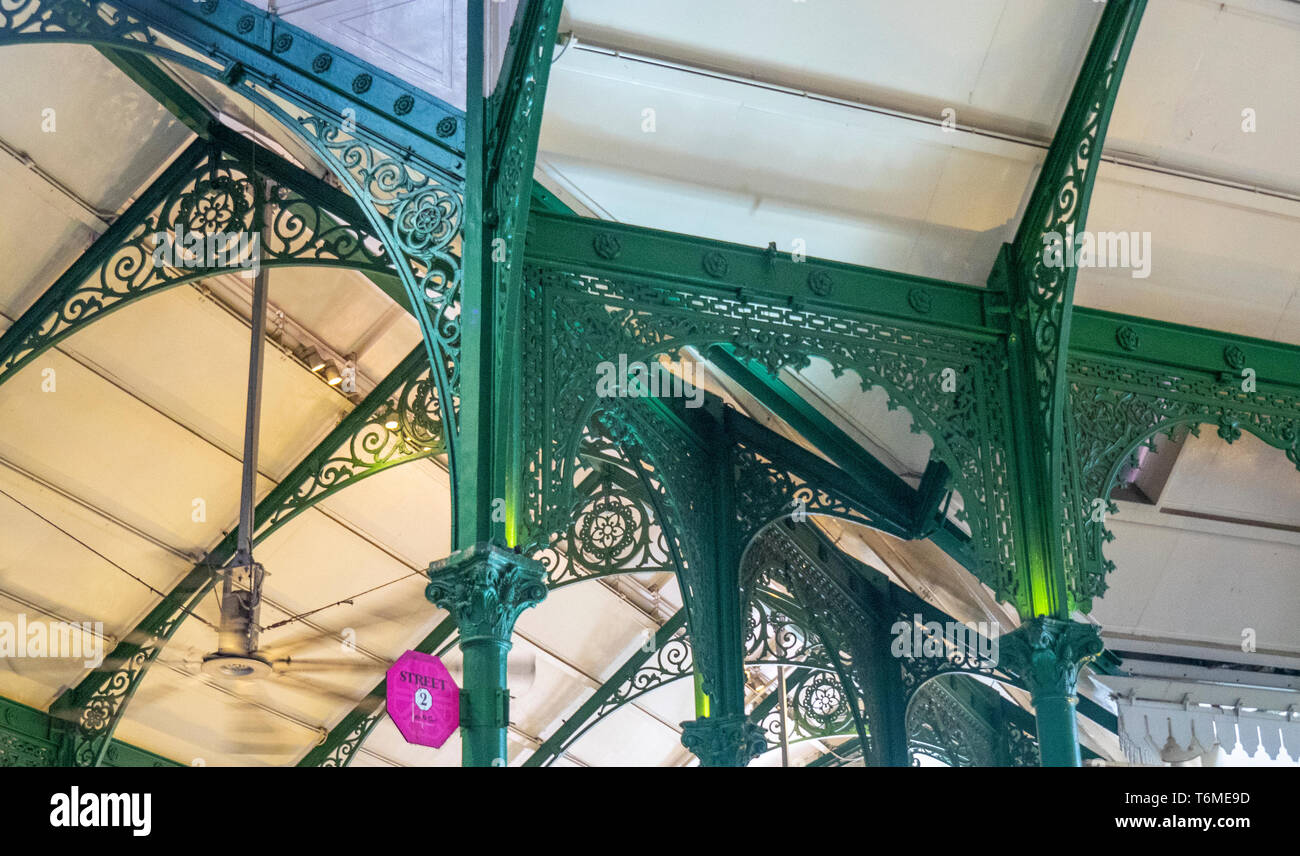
{"x":820,"y":283}
{"x":219,"y":204}
{"x":822,"y":702}
{"x":427,"y":220}
{"x":405,"y":104}
{"x":607,"y":530}
{"x":361,"y":83}
{"x":245,"y":24}
{"x":607,"y":246}
{"x":920,"y":301}
{"x":1234,"y":356}
{"x":208,"y":7}
{"x":715,"y":264}
{"x":1127,"y":338}
{"x":283,"y":42}
{"x":446,"y":126}
{"x":322,"y":63}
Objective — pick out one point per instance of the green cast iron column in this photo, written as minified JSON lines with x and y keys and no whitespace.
{"x":483,"y":585}
{"x":724,"y":736}
{"x":1048,"y":653}
{"x":485,"y":588}
{"x":471,"y":467}
{"x":1038,"y":289}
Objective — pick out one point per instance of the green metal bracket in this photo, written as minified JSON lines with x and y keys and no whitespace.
{"x":211,"y":191}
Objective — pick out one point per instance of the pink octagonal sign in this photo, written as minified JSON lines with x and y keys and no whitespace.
{"x":423,"y":700}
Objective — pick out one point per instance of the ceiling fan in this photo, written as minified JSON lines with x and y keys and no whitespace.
{"x":239,"y":655}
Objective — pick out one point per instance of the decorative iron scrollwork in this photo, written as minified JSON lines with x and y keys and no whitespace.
{"x":1117,"y":408}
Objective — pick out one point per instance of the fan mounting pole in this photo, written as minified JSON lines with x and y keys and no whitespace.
{"x":241,"y":588}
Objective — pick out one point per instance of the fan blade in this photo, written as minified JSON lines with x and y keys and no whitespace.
{"x":292,"y":664}
{"x":315,"y":689}
{"x":280,"y":642}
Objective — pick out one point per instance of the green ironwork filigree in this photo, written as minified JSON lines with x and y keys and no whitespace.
{"x":205,"y":224}
{"x":17,"y":751}
{"x":766,"y":492}
{"x":574,"y":320}
{"x":775,"y":561}
{"x":941,"y":726}
{"x":614,"y":525}
{"x":816,"y":708}
{"x":412,"y":201}
{"x":1117,"y":408}
{"x":964,"y":657}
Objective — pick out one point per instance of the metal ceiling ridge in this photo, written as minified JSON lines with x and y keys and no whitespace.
{"x":258,"y":40}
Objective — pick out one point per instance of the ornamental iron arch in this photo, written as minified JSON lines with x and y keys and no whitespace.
{"x":195,"y":223}
{"x":965,"y":657}
{"x":614,"y":526}
{"x":412,"y":198}
{"x":1117,"y":409}
{"x":576,"y":318}
{"x":962,"y":721}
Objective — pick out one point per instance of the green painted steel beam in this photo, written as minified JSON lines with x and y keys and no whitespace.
{"x":888,"y":513}
{"x":556,"y":237}
{"x":1147,"y":343}
{"x":310,"y":70}
{"x":881,"y":487}
{"x":872,"y":477}
{"x":764,"y":276}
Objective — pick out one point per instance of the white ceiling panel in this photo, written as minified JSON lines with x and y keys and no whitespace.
{"x":109,"y":135}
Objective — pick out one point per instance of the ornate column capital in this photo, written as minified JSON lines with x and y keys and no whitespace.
{"x":485,"y":588}
{"x":1047,"y":654}
{"x":723,"y":741}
